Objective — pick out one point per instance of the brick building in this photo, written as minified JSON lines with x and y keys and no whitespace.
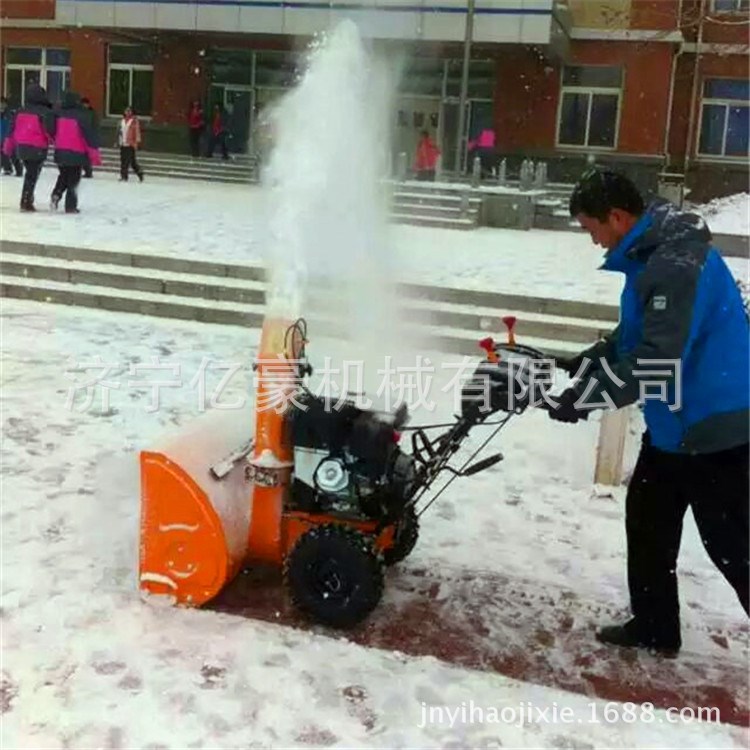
{"x":648,"y":85}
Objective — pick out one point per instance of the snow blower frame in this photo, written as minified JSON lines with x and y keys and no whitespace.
{"x":332,"y":496}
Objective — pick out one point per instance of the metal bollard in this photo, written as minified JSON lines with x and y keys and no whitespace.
{"x":476,"y":172}
{"x":540,"y":175}
{"x":401,"y":163}
{"x":527,"y":174}
{"x":502,"y":173}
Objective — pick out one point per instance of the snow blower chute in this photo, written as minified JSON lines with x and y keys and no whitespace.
{"x":325,"y":492}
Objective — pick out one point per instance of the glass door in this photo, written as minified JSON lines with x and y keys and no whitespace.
{"x":57,"y":83}
{"x":238,"y":104}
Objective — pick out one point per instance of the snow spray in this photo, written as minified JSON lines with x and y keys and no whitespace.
{"x":327,"y":244}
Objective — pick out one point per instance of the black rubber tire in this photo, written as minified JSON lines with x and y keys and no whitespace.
{"x":407,"y":533}
{"x":334,"y":575}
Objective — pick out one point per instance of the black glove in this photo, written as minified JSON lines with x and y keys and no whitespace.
{"x":567,"y":411}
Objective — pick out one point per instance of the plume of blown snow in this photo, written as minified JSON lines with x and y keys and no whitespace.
{"x":327,"y":243}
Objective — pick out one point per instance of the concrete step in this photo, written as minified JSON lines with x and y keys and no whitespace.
{"x":435,"y":199}
{"x":142,"y":303}
{"x":557,"y":223}
{"x":240,"y":169}
{"x":421,"y":311}
{"x":199,"y":165}
{"x":239,"y":162}
{"x":173,"y":264}
{"x":180,"y":269}
{"x":182,"y":175}
{"x":483,"y":321}
{"x":435,"y":337}
{"x":424,"y":211}
{"x":113,"y":276}
{"x":433,"y":221}
{"x":196,"y":170}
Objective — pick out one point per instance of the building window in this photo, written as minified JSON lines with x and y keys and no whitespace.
{"x":130,"y":79}
{"x":589,"y":106}
{"x":725,"y":114}
{"x":26,"y":65}
{"x":731,"y":6}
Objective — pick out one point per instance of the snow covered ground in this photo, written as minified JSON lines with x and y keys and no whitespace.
{"x":87,"y":665}
{"x":214,"y":221}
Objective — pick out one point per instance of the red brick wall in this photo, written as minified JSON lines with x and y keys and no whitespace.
{"x":647,"y":68}
{"x":175,"y":80}
{"x":87,"y":56}
{"x":43,"y":9}
{"x":88,"y":63}
{"x":653,"y":14}
{"x":710,"y":66}
{"x":528,"y":92}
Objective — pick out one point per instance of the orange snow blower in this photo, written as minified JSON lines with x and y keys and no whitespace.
{"x":327,"y":493}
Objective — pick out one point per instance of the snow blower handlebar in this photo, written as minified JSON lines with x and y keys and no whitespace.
{"x":499,"y":384}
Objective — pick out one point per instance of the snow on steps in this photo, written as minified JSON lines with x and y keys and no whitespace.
{"x":424,"y":220}
{"x":240,"y":169}
{"x":435,"y":205}
{"x":449,"y":320}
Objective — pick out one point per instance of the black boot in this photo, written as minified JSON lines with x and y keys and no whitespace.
{"x":631,"y":635}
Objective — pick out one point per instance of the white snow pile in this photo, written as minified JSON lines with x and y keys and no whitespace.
{"x":729,"y":215}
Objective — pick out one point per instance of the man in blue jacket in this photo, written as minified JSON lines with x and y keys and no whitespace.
{"x":684,"y":328}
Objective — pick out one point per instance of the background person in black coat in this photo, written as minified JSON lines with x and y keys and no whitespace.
{"x":75,"y":138}
{"x":88,"y":170}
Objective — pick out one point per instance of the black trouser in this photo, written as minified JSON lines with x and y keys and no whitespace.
{"x":715,"y":486}
{"x":88,"y":170}
{"x":11,"y":163}
{"x":195,"y":141}
{"x":221,"y":139}
{"x":33,"y":168}
{"x":426,"y":175}
{"x":127,"y":160}
{"x":67,"y":183}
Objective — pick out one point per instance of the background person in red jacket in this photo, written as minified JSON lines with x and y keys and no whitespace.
{"x":31,"y":133}
{"x":218,"y":133}
{"x":425,"y":160}
{"x":76,"y":147}
{"x":196,"y":126}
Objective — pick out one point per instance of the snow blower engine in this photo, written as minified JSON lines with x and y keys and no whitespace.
{"x":329,"y":494}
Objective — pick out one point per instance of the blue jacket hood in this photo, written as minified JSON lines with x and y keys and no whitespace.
{"x":662,"y":223}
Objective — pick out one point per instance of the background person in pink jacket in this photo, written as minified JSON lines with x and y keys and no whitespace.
{"x":32,"y":131}
{"x":76,"y":147}
{"x":483,"y":146}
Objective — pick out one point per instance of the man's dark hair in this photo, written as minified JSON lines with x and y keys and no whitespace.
{"x":601,"y":190}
